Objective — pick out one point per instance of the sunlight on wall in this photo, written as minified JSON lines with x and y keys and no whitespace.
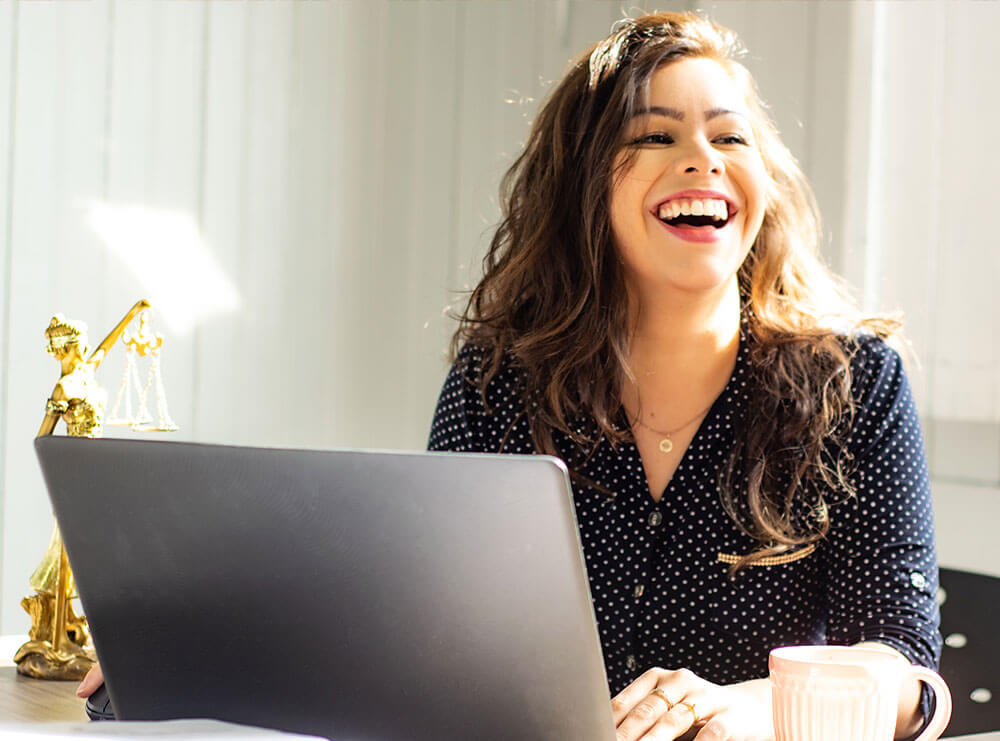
{"x":167,"y":254}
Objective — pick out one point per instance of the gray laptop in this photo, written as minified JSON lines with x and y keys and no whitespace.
{"x":346,"y":594}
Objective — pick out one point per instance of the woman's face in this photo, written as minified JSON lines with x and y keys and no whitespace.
{"x":687,"y":210}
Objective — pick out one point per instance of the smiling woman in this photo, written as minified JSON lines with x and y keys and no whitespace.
{"x":748,"y":465}
{"x":691,"y":172}
{"x":688,"y":152}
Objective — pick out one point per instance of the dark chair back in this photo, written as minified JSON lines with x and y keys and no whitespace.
{"x":970,"y":660}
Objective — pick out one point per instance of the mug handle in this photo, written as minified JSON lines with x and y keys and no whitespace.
{"x":942,"y":710}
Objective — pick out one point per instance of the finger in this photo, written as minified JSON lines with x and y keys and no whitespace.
{"x":641,"y":718}
{"x":90,"y":683}
{"x":657,"y":715}
{"x":687,"y":707}
{"x":717,"y":729}
{"x":635,"y":693}
{"x":710,"y":714}
{"x":681,"y":699}
{"x":673,"y":724}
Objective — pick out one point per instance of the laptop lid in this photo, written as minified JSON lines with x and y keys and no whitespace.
{"x":347,"y":594}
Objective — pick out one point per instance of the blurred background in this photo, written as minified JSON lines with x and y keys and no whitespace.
{"x":305,"y":189}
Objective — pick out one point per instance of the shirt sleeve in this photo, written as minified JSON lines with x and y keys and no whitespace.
{"x":459,"y":406}
{"x":880,"y":554}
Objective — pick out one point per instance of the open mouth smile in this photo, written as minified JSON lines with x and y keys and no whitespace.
{"x":695,"y":217}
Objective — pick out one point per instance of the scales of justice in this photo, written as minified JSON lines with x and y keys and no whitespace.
{"x":59,"y":644}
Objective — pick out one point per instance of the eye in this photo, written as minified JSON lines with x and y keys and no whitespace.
{"x":656,"y":138}
{"x":731,"y":139}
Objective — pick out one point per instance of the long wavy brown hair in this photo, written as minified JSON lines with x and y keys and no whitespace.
{"x":553,"y":300}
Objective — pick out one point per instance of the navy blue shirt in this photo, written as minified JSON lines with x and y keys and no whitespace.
{"x":658,"y":571}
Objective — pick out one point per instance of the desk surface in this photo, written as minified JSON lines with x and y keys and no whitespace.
{"x":24,"y":699}
{"x":36,"y":700}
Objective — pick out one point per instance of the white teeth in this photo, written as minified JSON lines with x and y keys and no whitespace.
{"x":714,"y":207}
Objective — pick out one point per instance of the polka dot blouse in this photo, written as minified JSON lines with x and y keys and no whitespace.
{"x":658,"y":570}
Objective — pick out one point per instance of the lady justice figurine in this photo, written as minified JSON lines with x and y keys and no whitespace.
{"x":58,"y":640}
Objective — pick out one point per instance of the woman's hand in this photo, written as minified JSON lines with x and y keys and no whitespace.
{"x":90,"y":683}
{"x":663,"y":704}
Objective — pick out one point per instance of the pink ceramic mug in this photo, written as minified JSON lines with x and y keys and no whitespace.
{"x":834,"y":693}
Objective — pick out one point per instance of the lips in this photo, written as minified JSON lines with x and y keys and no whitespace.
{"x":695,"y":215}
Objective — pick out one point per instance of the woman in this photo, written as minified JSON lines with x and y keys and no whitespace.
{"x":747,"y":461}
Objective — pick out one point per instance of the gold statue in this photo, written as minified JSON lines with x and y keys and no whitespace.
{"x":58,"y":642}
{"x":144,"y":341}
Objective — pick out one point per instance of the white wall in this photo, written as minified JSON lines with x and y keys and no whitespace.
{"x":325,"y":175}
{"x":321,"y":176}
{"x":926,"y":243}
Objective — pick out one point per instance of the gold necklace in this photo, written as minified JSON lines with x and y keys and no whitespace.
{"x":666,"y":444}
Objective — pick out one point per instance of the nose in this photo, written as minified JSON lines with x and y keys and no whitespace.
{"x":700,"y":158}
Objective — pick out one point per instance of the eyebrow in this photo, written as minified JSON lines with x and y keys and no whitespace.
{"x":658,"y":110}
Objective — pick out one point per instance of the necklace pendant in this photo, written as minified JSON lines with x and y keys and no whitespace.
{"x":666,"y":445}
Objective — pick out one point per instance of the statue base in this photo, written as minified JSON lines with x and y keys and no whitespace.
{"x":39,"y":660}
{"x":38,"y":657}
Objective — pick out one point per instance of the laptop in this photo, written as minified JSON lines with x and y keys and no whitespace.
{"x":353,"y":595}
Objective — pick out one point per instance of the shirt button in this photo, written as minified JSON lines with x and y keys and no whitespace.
{"x":631,"y":663}
{"x":638,"y":591}
{"x":918,"y":580}
{"x":655,"y":518}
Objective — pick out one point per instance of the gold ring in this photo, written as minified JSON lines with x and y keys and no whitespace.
{"x":663,"y":693}
{"x":690,"y":706}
